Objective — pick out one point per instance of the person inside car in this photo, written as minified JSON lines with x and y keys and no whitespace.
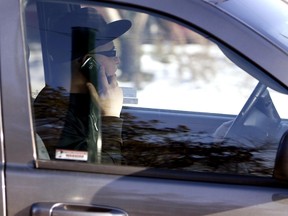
{"x":78,"y":111}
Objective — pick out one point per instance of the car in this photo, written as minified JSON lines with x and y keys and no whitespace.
{"x":205,"y":120}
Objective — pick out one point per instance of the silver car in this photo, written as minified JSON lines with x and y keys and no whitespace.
{"x":204,"y":119}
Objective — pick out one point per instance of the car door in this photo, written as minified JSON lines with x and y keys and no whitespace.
{"x":188,"y":71}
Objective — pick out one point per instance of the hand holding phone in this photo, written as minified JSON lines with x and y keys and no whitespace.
{"x":105,"y":91}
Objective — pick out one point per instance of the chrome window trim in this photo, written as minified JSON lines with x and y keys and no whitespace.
{"x":2,"y":157}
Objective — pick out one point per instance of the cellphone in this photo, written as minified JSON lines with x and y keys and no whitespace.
{"x":91,"y":70}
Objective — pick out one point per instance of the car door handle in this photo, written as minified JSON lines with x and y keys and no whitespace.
{"x":68,"y":209}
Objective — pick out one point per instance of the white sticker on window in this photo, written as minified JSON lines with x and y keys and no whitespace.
{"x":65,"y":154}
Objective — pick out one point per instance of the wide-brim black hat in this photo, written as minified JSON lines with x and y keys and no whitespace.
{"x":80,"y":31}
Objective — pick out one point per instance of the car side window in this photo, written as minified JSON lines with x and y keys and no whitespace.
{"x":187,"y":104}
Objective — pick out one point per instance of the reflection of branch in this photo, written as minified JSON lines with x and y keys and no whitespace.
{"x":148,"y":144}
{"x":50,"y":109}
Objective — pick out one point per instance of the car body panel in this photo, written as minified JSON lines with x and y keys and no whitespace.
{"x":26,"y":185}
{"x":141,"y":196}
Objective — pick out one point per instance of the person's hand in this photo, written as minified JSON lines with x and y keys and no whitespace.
{"x":110,"y":96}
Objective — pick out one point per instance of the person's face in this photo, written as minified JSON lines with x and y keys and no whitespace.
{"x":110,"y":63}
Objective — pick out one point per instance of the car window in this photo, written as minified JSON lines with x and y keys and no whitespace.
{"x":186,"y":105}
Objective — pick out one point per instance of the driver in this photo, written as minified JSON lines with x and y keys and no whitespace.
{"x":71,"y":110}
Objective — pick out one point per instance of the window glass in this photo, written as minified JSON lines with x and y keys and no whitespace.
{"x":186,"y":106}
